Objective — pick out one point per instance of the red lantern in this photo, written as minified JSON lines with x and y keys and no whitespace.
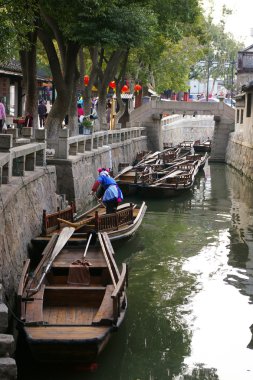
{"x":112,"y":84}
{"x":86,"y":80}
{"x":125,"y":88}
{"x":137,"y":88}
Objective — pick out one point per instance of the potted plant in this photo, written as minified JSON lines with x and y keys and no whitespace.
{"x":87,"y":126}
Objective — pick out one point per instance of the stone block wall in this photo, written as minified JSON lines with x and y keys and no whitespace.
{"x":21,"y":206}
{"x":188,"y":128}
{"x":239,"y":154}
{"x":8,"y":368}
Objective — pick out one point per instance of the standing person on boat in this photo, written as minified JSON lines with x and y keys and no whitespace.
{"x":112,"y":193}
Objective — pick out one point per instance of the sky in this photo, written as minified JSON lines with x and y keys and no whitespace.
{"x":240,"y":22}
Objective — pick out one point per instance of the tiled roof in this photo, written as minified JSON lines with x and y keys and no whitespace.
{"x":13,"y":65}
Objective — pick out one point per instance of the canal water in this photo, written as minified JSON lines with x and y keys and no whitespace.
{"x":190,"y":290}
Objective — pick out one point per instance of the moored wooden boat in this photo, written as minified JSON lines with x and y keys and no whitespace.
{"x":122,"y":224}
{"x":152,"y":166}
{"x":175,"y":182}
{"x":202,"y":147}
{"x":73,"y":302}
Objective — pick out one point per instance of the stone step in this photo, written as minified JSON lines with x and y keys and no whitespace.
{"x":8,"y":369}
{"x":7,"y":345}
{"x":3,"y":318}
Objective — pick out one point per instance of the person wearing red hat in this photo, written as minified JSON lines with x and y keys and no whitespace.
{"x":112,"y":193}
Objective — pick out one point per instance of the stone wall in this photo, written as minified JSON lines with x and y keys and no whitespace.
{"x":21,"y":205}
{"x":8,"y":368}
{"x":188,"y":128}
{"x":239,"y":154}
{"x":222,"y":130}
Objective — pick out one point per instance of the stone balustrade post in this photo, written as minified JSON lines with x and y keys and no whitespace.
{"x":13,"y":132}
{"x":40,"y":135}
{"x":62,"y":150}
{"x":6,"y":142}
{"x":27,"y":132}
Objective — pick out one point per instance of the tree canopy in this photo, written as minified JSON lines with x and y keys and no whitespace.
{"x":152,"y":41}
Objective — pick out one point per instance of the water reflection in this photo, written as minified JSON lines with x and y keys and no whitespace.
{"x":190,"y":290}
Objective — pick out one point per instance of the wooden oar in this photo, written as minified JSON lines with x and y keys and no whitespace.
{"x":62,"y":240}
{"x":87,"y":245}
{"x":76,"y":224}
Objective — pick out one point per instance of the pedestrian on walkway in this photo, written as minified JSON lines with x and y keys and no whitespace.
{"x":42,"y":112}
{"x":2,"y":115}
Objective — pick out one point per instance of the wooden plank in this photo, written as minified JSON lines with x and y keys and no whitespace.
{"x":104,"y":314}
{"x":34,"y":308}
{"x":63,"y":333}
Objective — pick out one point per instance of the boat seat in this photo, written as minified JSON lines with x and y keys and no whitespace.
{"x":104,"y":315}
{"x":73,"y":295}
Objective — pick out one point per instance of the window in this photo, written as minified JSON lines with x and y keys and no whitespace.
{"x":248,"y":111}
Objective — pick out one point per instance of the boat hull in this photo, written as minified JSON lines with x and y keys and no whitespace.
{"x":72,"y":344}
{"x":201,"y":148}
{"x":162,"y":191}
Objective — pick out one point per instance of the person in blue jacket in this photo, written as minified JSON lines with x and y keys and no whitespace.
{"x":112,"y":193}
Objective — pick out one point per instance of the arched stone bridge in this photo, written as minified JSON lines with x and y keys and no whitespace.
{"x":149,"y":115}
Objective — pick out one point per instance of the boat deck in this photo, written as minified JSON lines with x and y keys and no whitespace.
{"x":62,"y":333}
{"x":68,"y":256}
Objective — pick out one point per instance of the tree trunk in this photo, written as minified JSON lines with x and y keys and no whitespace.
{"x":64,"y":81}
{"x":29,"y":70}
{"x":72,"y":113}
{"x":56,"y":117}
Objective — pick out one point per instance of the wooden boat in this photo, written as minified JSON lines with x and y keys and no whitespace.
{"x":186,"y":146}
{"x":177,"y":177}
{"x":122,"y":224}
{"x":202,"y":147}
{"x":202,"y":159}
{"x":74,"y":301}
{"x":177,"y":181}
{"x":152,"y":167}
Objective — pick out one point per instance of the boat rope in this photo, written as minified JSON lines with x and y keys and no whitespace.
{"x":14,"y":315}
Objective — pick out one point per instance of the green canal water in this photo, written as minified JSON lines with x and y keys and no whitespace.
{"x":190,"y":290}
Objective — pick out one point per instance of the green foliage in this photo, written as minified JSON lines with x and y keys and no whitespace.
{"x":17,"y":19}
{"x":172,"y":70}
{"x":222,"y":48}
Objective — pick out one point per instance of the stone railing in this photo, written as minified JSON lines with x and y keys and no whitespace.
{"x":71,"y":146}
{"x":14,"y":161}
